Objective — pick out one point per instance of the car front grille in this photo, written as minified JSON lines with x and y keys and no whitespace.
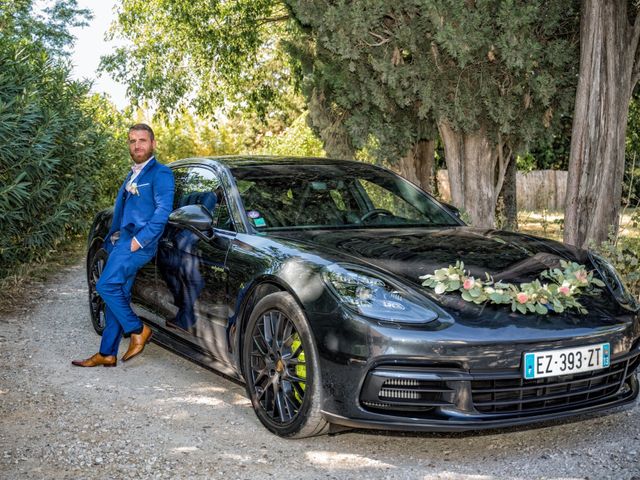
{"x":428,"y":391}
{"x":512,"y":394}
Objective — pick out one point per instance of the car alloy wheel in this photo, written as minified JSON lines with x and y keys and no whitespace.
{"x":281,"y":369}
{"x":96,"y":304}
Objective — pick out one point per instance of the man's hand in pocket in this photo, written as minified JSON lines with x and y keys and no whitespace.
{"x":135,"y":245}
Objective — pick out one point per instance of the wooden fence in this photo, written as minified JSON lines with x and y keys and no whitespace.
{"x":536,"y":190}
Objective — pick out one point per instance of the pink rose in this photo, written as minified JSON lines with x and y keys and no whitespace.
{"x":522,"y":297}
{"x":564,"y":290}
{"x":468,"y":283}
{"x":581,"y":276}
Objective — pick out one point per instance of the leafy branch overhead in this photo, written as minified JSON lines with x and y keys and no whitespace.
{"x":559,"y":294}
{"x":49,"y":28}
{"x":202,"y":54}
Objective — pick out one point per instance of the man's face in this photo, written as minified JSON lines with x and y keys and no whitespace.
{"x":141,"y":146}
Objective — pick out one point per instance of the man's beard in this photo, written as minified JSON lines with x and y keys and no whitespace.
{"x":142,"y":158}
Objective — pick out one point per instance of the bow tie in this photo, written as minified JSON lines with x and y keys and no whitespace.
{"x":137,"y":167}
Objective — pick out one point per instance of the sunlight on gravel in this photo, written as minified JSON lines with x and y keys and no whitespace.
{"x":184,"y":449}
{"x":194,"y":400}
{"x":344,"y":460}
{"x":242,"y":401}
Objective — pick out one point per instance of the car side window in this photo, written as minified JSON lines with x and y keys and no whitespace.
{"x":201,"y":186}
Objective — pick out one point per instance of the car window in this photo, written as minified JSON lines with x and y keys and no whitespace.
{"x":201,"y":186}
{"x":333,"y":195}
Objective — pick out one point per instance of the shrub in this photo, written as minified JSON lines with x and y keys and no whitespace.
{"x":625,"y":256}
{"x":52,"y":151}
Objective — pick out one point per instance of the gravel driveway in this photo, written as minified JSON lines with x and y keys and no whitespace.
{"x":160,"y":416}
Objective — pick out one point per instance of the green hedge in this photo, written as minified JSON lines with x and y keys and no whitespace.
{"x":53,"y":153}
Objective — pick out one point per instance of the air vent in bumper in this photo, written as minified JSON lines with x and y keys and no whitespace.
{"x":407,"y":389}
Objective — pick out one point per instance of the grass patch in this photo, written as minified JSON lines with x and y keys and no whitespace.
{"x":549,"y":224}
{"x":23,"y":285}
{"x":541,"y":224}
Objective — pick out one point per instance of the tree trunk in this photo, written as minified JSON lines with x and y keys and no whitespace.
{"x":328,"y":125}
{"x":472,"y":160}
{"x":418,"y":164}
{"x":510,"y":197}
{"x":608,"y":73}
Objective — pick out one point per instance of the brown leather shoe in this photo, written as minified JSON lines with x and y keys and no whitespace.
{"x":137,"y":343}
{"x":97,"y":360}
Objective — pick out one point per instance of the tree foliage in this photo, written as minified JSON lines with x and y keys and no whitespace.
{"x":631,"y":186}
{"x":186,"y":135}
{"x":297,"y":139}
{"x":505,"y":66}
{"x":49,"y":28}
{"x":203,"y":54}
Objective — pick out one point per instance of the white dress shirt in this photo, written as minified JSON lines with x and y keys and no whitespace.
{"x":137,"y":168}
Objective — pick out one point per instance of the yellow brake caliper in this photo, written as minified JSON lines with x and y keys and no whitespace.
{"x":301,"y":370}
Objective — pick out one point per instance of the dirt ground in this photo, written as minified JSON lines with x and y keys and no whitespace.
{"x":161,"y":416}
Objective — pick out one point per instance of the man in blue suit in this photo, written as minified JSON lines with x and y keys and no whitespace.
{"x":141,"y":211}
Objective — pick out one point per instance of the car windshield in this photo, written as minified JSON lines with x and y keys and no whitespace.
{"x":333,"y":196}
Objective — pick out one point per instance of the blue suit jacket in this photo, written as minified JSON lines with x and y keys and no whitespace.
{"x":144,"y":215}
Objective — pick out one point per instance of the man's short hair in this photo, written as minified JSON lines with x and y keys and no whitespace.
{"x":143,"y":126}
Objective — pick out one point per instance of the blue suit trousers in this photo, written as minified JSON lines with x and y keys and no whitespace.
{"x":114,"y":286}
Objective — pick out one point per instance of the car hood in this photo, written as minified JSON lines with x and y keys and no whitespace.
{"x":411,"y":253}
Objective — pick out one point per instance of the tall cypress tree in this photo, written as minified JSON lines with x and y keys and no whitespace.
{"x":489,"y":76}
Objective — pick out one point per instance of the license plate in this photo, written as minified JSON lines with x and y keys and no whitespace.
{"x":568,"y":361}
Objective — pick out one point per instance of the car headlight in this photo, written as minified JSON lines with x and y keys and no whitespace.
{"x":375,"y":297}
{"x":613,"y":282}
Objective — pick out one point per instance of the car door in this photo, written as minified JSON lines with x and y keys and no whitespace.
{"x":192,"y":279}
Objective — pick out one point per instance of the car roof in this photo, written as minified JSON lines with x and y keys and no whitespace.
{"x":232,"y":161}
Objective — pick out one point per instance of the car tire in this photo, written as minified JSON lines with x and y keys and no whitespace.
{"x":281,"y":370}
{"x":96,"y":304}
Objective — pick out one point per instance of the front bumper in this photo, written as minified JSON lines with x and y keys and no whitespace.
{"x":470,"y":424}
{"x":388,"y":378}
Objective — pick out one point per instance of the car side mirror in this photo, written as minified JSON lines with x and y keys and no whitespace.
{"x":194,"y":217}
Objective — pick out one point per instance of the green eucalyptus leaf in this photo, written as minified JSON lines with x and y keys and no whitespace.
{"x":541,"y":309}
